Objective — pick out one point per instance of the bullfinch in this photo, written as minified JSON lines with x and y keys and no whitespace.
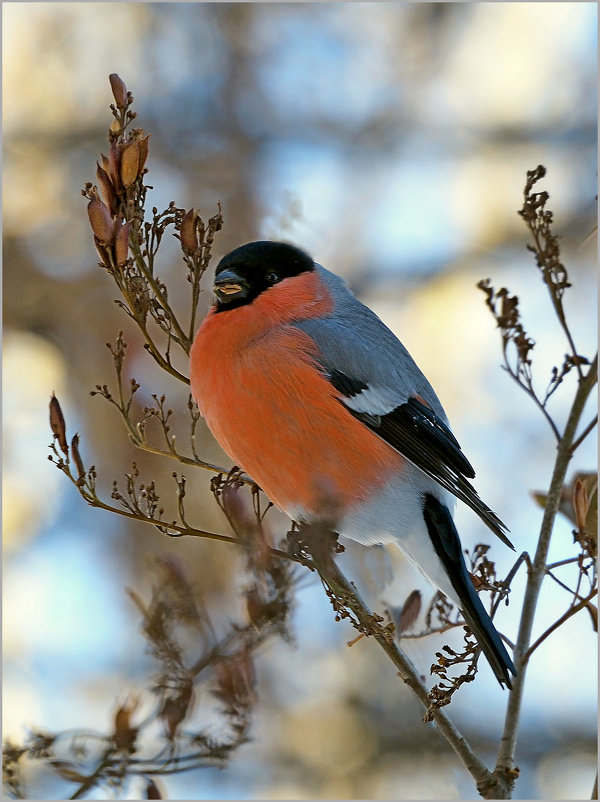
{"x":318,"y":401}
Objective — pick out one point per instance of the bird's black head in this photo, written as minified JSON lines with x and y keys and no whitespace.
{"x":251,"y":269}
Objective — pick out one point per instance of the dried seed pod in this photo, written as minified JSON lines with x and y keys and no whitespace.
{"x":580,"y":503}
{"x":125,"y":734}
{"x":122,"y":244}
{"x":236,"y":507}
{"x":119,"y":90}
{"x":57,"y":424}
{"x":189,"y":233}
{"x":585,"y":504}
{"x":140,"y":297}
{"x":144,"y":146}
{"x":102,"y":253}
{"x":152,"y":790}
{"x":101,"y":221}
{"x":114,"y":165}
{"x":77,"y":459}
{"x":106,"y":187}
{"x":175,"y":708}
{"x":410,"y":611}
{"x":235,"y":681}
{"x":105,"y":164}
{"x":130,"y":159}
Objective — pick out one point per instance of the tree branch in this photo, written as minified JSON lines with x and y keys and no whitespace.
{"x":341,"y":592}
{"x":506,"y":753}
{"x":589,"y":428}
{"x":570,"y":612}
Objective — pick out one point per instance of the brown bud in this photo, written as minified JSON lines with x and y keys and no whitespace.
{"x":580,"y":503}
{"x":114,"y":165}
{"x":119,"y":90}
{"x":122,"y":244}
{"x":189,"y":233}
{"x":153,"y":791}
{"x":235,"y":681}
{"x":236,"y":507}
{"x":175,"y":708}
{"x":106,"y":188}
{"x":585,"y":505}
{"x":77,"y":459}
{"x":143,"y":152}
{"x":410,"y":611}
{"x":101,"y":220}
{"x":478,"y":583}
{"x":57,"y":424}
{"x":102,"y":253}
{"x":130,"y":160}
{"x":125,"y":734}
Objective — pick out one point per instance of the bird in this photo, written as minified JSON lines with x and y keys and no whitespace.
{"x":318,"y":401}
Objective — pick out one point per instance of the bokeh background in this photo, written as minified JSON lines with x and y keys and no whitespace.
{"x":391,"y":141}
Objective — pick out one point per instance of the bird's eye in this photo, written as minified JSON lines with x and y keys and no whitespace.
{"x":272,"y":277}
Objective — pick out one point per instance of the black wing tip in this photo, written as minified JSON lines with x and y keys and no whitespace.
{"x":498,"y":528}
{"x":503,"y":672}
{"x":446,"y":542}
{"x":491,"y":645}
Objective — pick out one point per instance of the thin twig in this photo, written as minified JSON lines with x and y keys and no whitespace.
{"x":332,"y":576}
{"x":560,"y":563}
{"x":522,"y":558}
{"x":182,"y":338}
{"x":589,"y":428}
{"x":564,"y":586}
{"x":505,"y":759}
{"x":559,"y":622}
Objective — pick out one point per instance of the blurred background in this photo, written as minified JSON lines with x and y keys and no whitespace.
{"x":391,"y":141}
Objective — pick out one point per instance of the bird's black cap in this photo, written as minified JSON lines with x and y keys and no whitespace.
{"x":244,"y":273}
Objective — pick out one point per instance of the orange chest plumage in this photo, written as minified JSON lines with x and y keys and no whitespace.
{"x":257,"y":383}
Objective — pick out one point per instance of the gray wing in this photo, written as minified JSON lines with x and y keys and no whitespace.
{"x":381,"y":385}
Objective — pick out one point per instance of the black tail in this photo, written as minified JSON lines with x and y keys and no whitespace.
{"x":446,"y":542}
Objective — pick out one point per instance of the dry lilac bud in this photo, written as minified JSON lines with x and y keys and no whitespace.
{"x":236,"y":507}
{"x":119,"y":90}
{"x":106,"y":187}
{"x":585,"y":505}
{"x":235,"y":680}
{"x":130,"y":160}
{"x":125,"y":734}
{"x":114,"y":165}
{"x":410,"y":611}
{"x":580,"y":503}
{"x":57,"y":424}
{"x":153,"y":791}
{"x":188,"y":232}
{"x":143,"y":142}
{"x":77,"y":459}
{"x":175,"y":709}
{"x":102,"y":253}
{"x":101,"y":221}
{"x":122,"y":244}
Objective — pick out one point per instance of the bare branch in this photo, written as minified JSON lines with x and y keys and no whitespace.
{"x":589,"y":428}
{"x":505,"y":759}
{"x":559,"y":622}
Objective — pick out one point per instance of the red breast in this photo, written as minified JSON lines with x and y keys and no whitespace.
{"x":258,"y":385}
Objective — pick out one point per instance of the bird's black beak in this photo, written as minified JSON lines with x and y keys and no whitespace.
{"x":229,"y":286}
